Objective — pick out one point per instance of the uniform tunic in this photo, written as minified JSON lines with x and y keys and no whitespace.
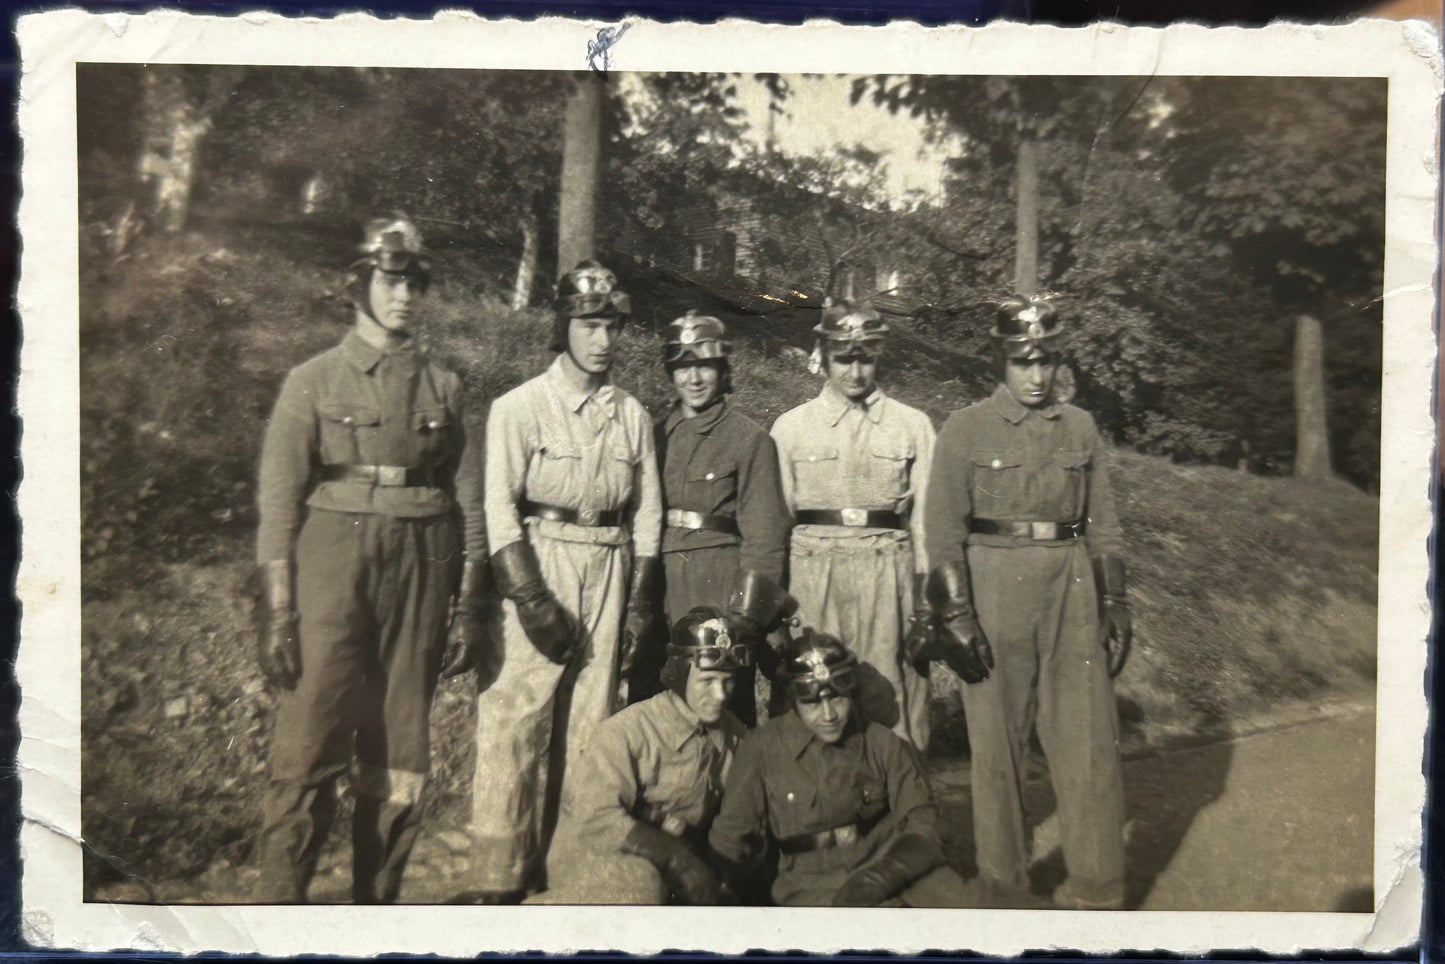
{"x":550,"y":441}
{"x":785,"y":782}
{"x":654,"y":763}
{"x":1038,"y":607}
{"x":857,"y":583}
{"x":720,"y":463}
{"x":375,"y":570}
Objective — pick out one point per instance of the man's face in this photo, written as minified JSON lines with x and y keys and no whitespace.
{"x":1031,"y":381}
{"x":392,"y":297}
{"x":698,"y":383}
{"x":590,"y":342}
{"x":827,"y":716}
{"x":707,"y":693}
{"x":852,"y":374}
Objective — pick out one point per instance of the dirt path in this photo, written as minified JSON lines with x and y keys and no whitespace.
{"x":1281,"y":820}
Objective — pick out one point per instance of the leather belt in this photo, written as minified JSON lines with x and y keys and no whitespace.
{"x":843,"y":836}
{"x":383,"y":476}
{"x":579,"y":517}
{"x":858,"y":518}
{"x":1037,"y":531}
{"x":684,"y":519}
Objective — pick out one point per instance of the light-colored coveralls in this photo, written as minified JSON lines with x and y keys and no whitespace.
{"x":551,"y":442}
{"x":1037,"y":604}
{"x":655,"y":763}
{"x":853,"y":582}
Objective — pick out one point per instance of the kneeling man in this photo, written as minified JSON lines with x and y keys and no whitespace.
{"x":845,"y":801}
{"x":635,"y":818}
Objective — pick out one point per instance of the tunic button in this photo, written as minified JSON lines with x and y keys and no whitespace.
{"x":347,"y":420}
{"x":790,"y":796}
{"x":434,"y":425}
{"x":708,"y":476}
{"x":996,"y":463}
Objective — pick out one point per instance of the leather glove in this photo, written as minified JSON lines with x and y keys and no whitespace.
{"x":1116,"y":626}
{"x":467,"y":635}
{"x":641,"y":607}
{"x":904,"y":860}
{"x":686,"y":874}
{"x":959,"y":640}
{"x":756,"y":606}
{"x":546,"y":623}
{"x":922,"y":633}
{"x":278,"y":644}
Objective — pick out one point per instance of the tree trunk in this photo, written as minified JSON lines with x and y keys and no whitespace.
{"x":174,"y":127}
{"x":581,"y":156}
{"x":1312,"y":438}
{"x":1026,"y":218}
{"x":527,"y":266}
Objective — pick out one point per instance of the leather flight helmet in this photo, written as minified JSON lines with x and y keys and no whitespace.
{"x":816,"y":665}
{"x":1028,"y":328}
{"x":392,"y":245}
{"x":695,"y":337}
{"x":702,"y":638}
{"x":847,"y":329}
{"x":587,"y":291}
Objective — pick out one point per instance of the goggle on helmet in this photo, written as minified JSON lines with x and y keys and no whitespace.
{"x":1028,"y":327}
{"x":590,"y":290}
{"x":709,"y":644}
{"x":818,"y":666}
{"x":694,"y":337}
{"x":394,"y":245}
{"x":851,"y":331}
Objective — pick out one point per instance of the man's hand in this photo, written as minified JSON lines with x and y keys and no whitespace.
{"x":959,"y":640}
{"x":278,"y":643}
{"x":1116,"y":626}
{"x":920,"y":641}
{"x":641,"y":608}
{"x":548,"y":626}
{"x":903,"y":861}
{"x":467,"y":635}
{"x":684,"y":871}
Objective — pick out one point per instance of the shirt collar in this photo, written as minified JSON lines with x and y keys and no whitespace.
{"x":703,"y":422}
{"x":1015,"y":411}
{"x":365,"y":356}
{"x":683,"y":723}
{"x":836,"y":404}
{"x":574,"y":397}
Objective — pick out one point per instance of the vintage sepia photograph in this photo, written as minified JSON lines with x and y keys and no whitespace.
{"x":512,"y":488}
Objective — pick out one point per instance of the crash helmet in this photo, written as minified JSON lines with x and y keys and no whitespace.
{"x":848,"y":329}
{"x":587,"y":291}
{"x":695,"y":337}
{"x":392,"y":245}
{"x":1027,"y":328}
{"x":816,"y":664}
{"x":702,"y":638}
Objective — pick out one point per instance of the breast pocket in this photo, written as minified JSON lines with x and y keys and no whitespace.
{"x":711,"y":487}
{"x":554,"y":473}
{"x":998,"y":479}
{"x":814,"y":468}
{"x":872,"y":797}
{"x":891,"y":466}
{"x":346,"y":432}
{"x":431,"y":428}
{"x":792,"y":804}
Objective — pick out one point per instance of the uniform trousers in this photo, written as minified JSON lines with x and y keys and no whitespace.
{"x":1038,"y":608}
{"x":373,"y":593}
{"x":705,"y":577}
{"x":578,"y":874}
{"x":860,"y":589}
{"x":538,"y":716}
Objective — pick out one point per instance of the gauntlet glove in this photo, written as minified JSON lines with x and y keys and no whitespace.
{"x":467,"y":636}
{"x":1116,"y":627}
{"x":641,"y":607}
{"x":278,"y":644}
{"x":922,"y":628}
{"x":686,"y":874}
{"x":904,"y":860}
{"x":958,"y":640}
{"x":546,"y":623}
{"x":757,"y":606}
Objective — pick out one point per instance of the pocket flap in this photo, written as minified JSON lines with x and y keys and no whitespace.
{"x":996,"y":460}
{"x":895,"y":452}
{"x":815,"y":454}
{"x":350,"y":414}
{"x":430,"y":420}
{"x":711,"y":473}
{"x":560,"y":450}
{"x":1072,"y":459}
{"x":793,"y":797}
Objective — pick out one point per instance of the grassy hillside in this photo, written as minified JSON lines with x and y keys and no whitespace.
{"x":1254,"y":597}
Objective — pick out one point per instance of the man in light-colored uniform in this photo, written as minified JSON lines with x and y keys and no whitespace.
{"x":574,"y":522}
{"x":854,"y":463}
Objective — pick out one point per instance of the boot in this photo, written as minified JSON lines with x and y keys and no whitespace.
{"x":298,"y":819}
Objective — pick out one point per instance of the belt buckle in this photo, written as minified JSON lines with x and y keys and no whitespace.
{"x":689,"y":520}
{"x":855,"y":517}
{"x":673,"y":825}
{"x":845,"y":836}
{"x":1043,"y":531}
{"x":391,"y":475}
{"x":586,"y":517}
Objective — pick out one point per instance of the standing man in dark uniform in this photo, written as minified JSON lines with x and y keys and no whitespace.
{"x":725,"y":541}
{"x":1021,"y":525}
{"x":366,"y":466}
{"x":844,"y":801}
